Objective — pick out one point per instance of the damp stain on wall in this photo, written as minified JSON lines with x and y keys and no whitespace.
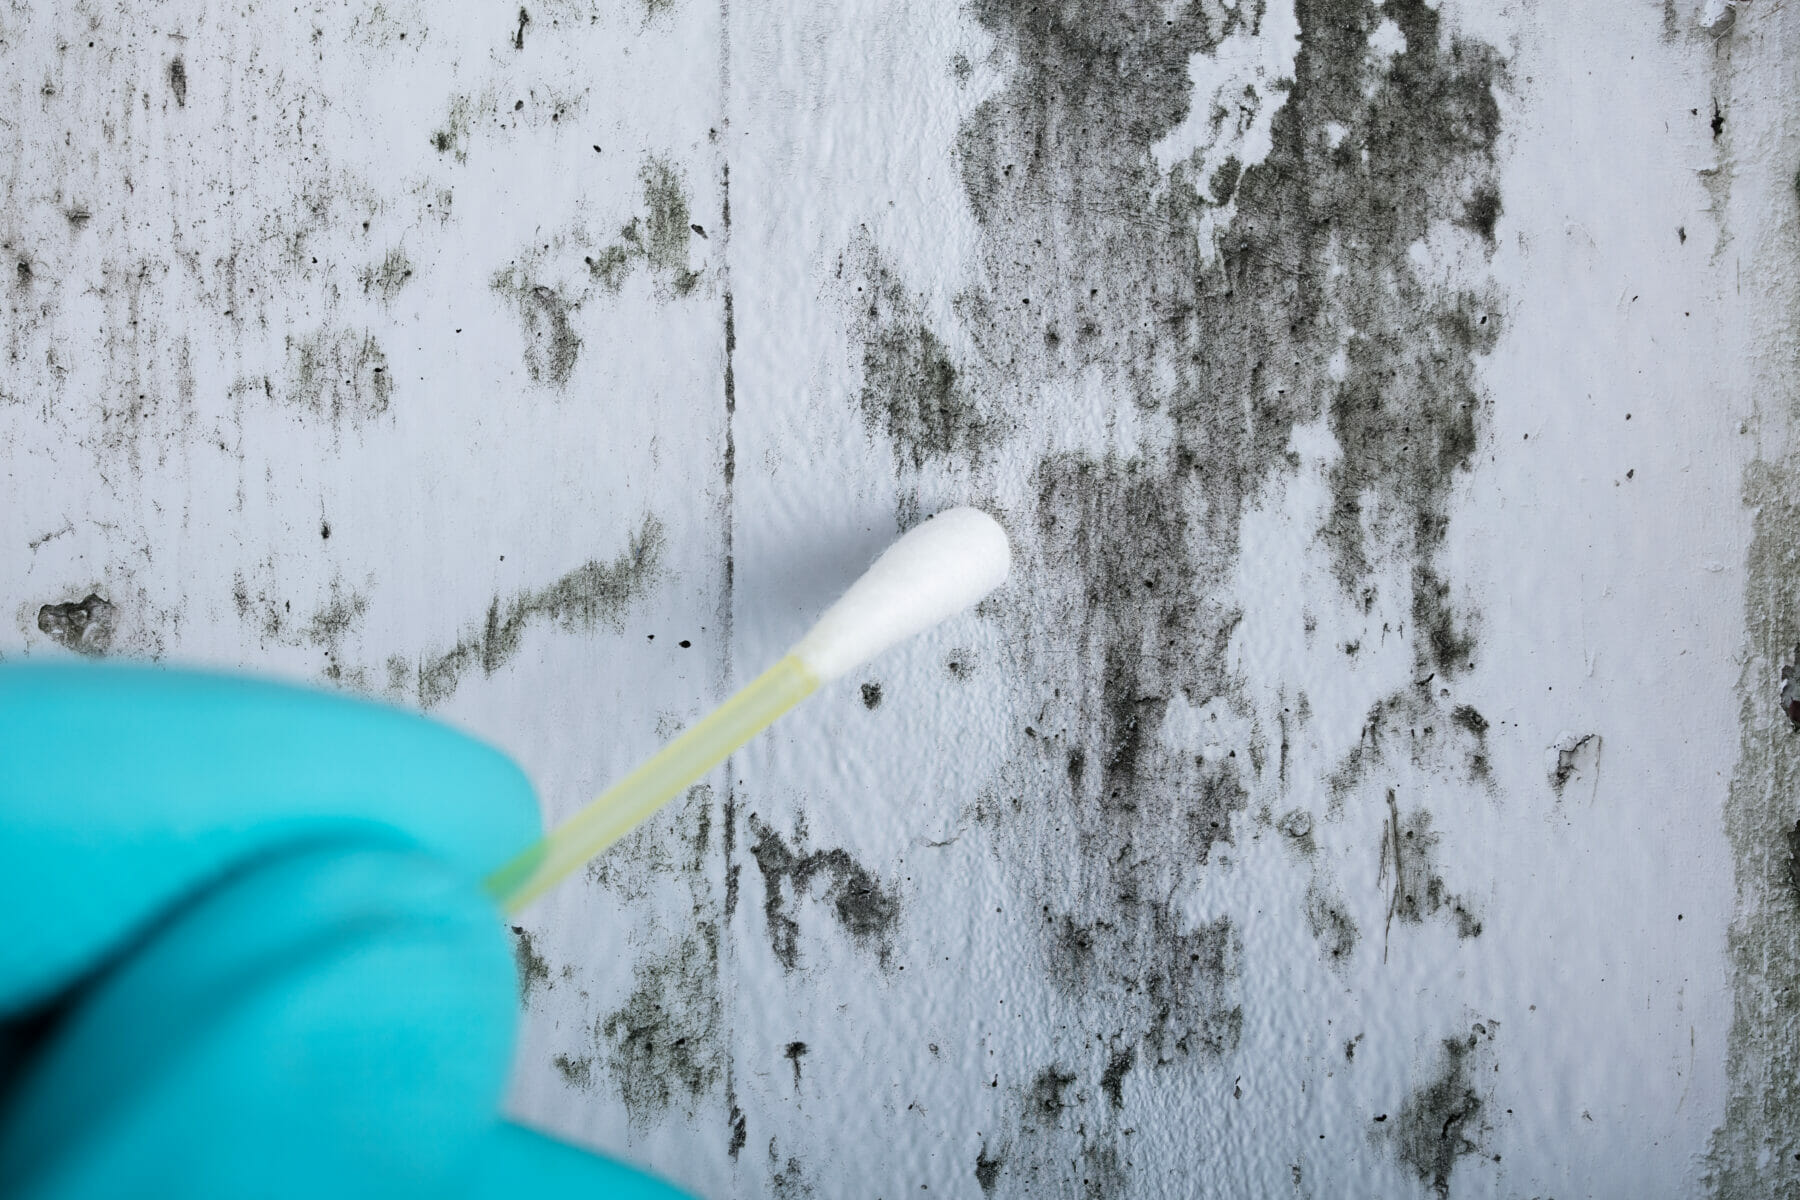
{"x":338,"y":374}
{"x":1225,"y":295}
{"x":1756,"y":1148}
{"x":597,"y":593}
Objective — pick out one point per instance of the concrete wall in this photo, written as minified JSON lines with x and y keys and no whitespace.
{"x":1374,"y":780}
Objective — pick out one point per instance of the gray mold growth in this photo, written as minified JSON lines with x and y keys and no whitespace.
{"x":659,"y":239}
{"x":385,"y":279}
{"x":178,"y":81}
{"x":577,"y":1072}
{"x":1409,"y":870}
{"x":85,"y":626}
{"x":1331,"y":924}
{"x":593,"y":594}
{"x":864,"y":907}
{"x":662,"y":1047}
{"x":338,"y":374}
{"x":551,"y":343}
{"x":1441,"y":1122}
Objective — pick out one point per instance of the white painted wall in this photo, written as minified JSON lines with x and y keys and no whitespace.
{"x":203,"y":271}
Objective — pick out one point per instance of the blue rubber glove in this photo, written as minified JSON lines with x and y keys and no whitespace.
{"x":247,"y":952}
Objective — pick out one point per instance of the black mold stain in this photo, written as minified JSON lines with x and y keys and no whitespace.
{"x":871,"y":695}
{"x":912,"y":392}
{"x":385,"y":280}
{"x":1046,"y":1097}
{"x":987,"y":1169}
{"x":739,"y":1131}
{"x":595,"y":593}
{"x":1420,"y":725}
{"x":794,"y":1053}
{"x":576,"y":1072}
{"x":1416,"y":890}
{"x":85,"y":626}
{"x":452,"y":137}
{"x":1441,"y":1123}
{"x":178,"y":81}
{"x":1112,"y":1082}
{"x":1718,"y":121}
{"x":1482,"y":212}
{"x":662,"y":1046}
{"x":519,"y":34}
{"x":659,"y":239}
{"x":789,"y":1182}
{"x":338,"y":374}
{"x":865,"y":909}
{"x":532,"y":967}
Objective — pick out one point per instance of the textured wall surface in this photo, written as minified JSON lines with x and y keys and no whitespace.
{"x":1375,"y":779}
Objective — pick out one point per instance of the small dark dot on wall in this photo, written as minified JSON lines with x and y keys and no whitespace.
{"x":684,"y":643}
{"x":871,"y":695}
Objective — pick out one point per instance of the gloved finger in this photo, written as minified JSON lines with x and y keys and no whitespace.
{"x":335,"y":1021}
{"x":515,"y":1161}
{"x":125,"y":788}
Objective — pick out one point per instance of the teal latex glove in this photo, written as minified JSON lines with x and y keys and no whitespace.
{"x":248,"y":953}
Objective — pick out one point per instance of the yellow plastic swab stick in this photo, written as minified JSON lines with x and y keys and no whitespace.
{"x":938,"y":569}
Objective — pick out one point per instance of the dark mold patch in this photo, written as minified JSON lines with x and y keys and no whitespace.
{"x":338,"y":374}
{"x":1408,"y":867}
{"x":518,"y":40}
{"x":1418,"y":725}
{"x":85,"y":626}
{"x":1482,"y":212}
{"x":1441,"y":1122}
{"x":867,"y":911}
{"x":1793,"y":862}
{"x":912,"y":392}
{"x":178,"y":81}
{"x":662,"y":1046}
{"x":334,"y":621}
{"x":987,"y":1169}
{"x":593,"y":594}
{"x":533,"y":968}
{"x":452,"y":137}
{"x":871,"y":695}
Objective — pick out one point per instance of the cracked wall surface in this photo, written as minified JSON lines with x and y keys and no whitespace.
{"x":1377,"y":776}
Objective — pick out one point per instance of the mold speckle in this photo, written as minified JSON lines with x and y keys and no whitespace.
{"x":178,"y":81}
{"x":532,"y":967}
{"x":338,"y":374}
{"x":662,"y":1046}
{"x":334,"y":621}
{"x":867,"y":911}
{"x":85,"y":626}
{"x":1441,"y":1122}
{"x":452,"y":137}
{"x":871,"y":695}
{"x":593,"y":594}
{"x":518,"y":40}
{"x":1331,"y":924}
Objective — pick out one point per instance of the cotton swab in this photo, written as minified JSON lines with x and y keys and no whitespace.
{"x":936,"y":570}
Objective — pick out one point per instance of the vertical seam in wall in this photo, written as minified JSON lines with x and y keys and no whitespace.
{"x":728,"y":501}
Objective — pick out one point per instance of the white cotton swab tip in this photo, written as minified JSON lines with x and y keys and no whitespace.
{"x":936,"y":570}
